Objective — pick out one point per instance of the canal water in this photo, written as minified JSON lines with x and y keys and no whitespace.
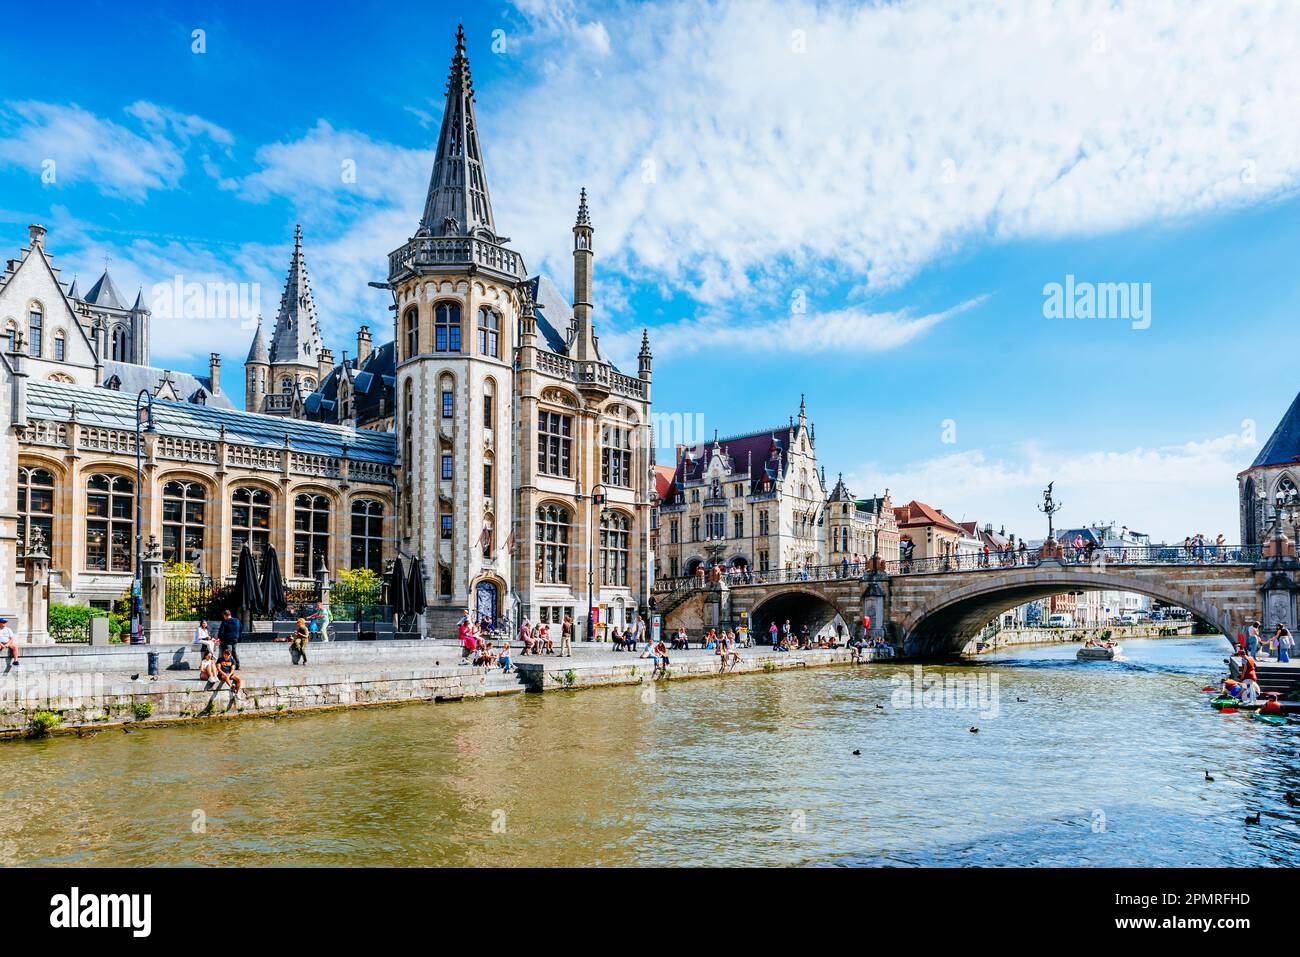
{"x":1073,"y":764}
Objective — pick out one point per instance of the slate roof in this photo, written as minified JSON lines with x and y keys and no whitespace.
{"x":759,"y":451}
{"x":1283,"y":446}
{"x":296,"y":338}
{"x":374,"y":387}
{"x":116,"y":410}
{"x":104,"y":293}
{"x":191,"y":388}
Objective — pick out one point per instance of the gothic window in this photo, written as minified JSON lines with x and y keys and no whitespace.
{"x":489,"y":403}
{"x":447,"y":465}
{"x":489,"y":332}
{"x":763,"y":523}
{"x":1286,"y":491}
{"x":35,"y":331}
{"x":412,"y":321}
{"x":250,"y":521}
{"x":695,"y":529}
{"x":60,"y":346}
{"x":674,"y":532}
{"x":444,"y":581}
{"x":110,"y":517}
{"x":309,"y":384}
{"x":286,"y":385}
{"x":118,"y":344}
{"x":448,"y":404}
{"x":614,"y":537}
{"x":35,"y":507}
{"x":311,"y":533}
{"x":740,"y":524}
{"x":715,"y":525}
{"x":444,"y":527}
{"x":552,"y":532}
{"x":616,"y":456}
{"x":368,"y":534}
{"x":488,"y":487}
{"x":446,"y":327}
{"x":554,"y":442}
{"x":184,"y":514}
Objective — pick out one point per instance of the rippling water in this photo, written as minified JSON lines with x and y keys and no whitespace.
{"x":1099,"y":764}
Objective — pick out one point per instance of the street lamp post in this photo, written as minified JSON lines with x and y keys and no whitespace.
{"x":597,"y":498}
{"x":137,"y":588}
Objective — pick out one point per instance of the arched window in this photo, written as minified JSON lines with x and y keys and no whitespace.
{"x":35,"y":331}
{"x":184,"y":516}
{"x":119,"y":350}
{"x":11,"y":333}
{"x":616,"y":456}
{"x":411,"y":325}
{"x":489,"y":404}
{"x":311,"y":533}
{"x":286,"y":385}
{"x":1286,"y":491}
{"x":35,"y":507}
{"x":60,"y":346}
{"x":110,"y":517}
{"x":552,"y":545}
{"x":368,"y":534}
{"x":614,"y":536}
{"x":250,"y":521}
{"x":309,"y":384}
{"x":489,"y":332}
{"x":446,"y":327}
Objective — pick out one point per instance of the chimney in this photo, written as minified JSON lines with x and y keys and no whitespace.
{"x":214,"y":371}
{"x":36,"y":235}
{"x":364,"y":344}
{"x":324,"y":364}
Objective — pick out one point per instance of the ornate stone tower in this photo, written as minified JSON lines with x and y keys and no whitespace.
{"x":297,"y":359}
{"x":455,"y":287}
{"x":257,"y":370}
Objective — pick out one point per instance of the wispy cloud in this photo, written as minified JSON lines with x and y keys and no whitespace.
{"x":1166,"y":491}
{"x":65,"y":144}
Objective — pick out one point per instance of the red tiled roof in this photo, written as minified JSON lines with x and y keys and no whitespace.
{"x":918,"y":513}
{"x":663,"y":480}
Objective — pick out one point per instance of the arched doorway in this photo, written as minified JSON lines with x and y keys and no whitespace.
{"x":487,"y":598}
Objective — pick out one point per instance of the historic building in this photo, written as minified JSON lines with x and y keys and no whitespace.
{"x":758,"y":502}
{"x":1273,"y":477}
{"x":504,"y":448}
{"x":926,"y":532}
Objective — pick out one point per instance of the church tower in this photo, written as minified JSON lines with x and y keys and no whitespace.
{"x":456,"y":290}
{"x":293,"y":366}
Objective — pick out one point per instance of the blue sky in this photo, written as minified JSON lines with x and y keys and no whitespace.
{"x":862,"y":204}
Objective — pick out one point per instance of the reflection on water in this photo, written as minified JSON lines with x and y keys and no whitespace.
{"x":1101,"y":764}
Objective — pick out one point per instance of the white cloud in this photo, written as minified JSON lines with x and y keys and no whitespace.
{"x":116,"y":159}
{"x":1167,"y":491}
{"x":729,"y":142}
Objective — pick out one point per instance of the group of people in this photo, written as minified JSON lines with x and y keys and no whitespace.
{"x":219,"y":657}
{"x":1278,"y":645}
{"x":1198,"y":548}
{"x":478,"y":643}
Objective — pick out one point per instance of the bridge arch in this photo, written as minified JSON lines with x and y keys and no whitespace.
{"x":943,"y":624}
{"x":802,"y":604}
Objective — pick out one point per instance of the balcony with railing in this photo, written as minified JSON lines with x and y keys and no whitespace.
{"x":434,"y":251}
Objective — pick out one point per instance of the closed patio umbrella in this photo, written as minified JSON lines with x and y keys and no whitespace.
{"x":415,"y":601}
{"x":397,"y":590}
{"x":247,"y":595}
{"x":274,"y":600}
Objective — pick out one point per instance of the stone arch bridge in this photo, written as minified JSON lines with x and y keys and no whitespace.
{"x":935,"y":610}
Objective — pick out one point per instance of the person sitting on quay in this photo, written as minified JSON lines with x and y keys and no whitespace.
{"x":526,"y":637}
{"x":856,"y":644}
{"x":9,"y":642}
{"x":659,"y":654}
{"x":616,"y":637}
{"x":547,"y":642}
{"x":468,"y":640}
{"x":203,"y":639}
{"x":229,"y":634}
{"x":504,"y":659}
{"x":226,"y":671}
{"x":207,"y":665}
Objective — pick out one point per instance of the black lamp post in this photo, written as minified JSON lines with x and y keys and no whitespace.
{"x":597,"y":498}
{"x":137,"y":590}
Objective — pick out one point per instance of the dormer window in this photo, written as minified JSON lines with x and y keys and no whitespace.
{"x":114,"y":383}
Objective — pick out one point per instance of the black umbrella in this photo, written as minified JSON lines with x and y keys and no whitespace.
{"x":415,"y":600}
{"x":398,"y":596}
{"x":247,"y":595}
{"x":273,"y":597}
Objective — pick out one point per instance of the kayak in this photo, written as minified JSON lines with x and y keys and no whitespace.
{"x":1273,"y":719}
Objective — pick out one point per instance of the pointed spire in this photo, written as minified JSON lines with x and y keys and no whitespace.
{"x":584,"y":214}
{"x":296,"y":338}
{"x":72,"y":290}
{"x":139,"y":301}
{"x":257,"y":351}
{"x":104,"y":293}
{"x":457,"y":203}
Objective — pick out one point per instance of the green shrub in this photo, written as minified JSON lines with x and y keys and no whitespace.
{"x":71,"y":623}
{"x":42,"y":722}
{"x":142,"y":710}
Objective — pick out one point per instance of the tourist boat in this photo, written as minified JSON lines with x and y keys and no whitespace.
{"x":1098,"y":653}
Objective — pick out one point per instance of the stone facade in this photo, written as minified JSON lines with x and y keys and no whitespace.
{"x":758,"y":503}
